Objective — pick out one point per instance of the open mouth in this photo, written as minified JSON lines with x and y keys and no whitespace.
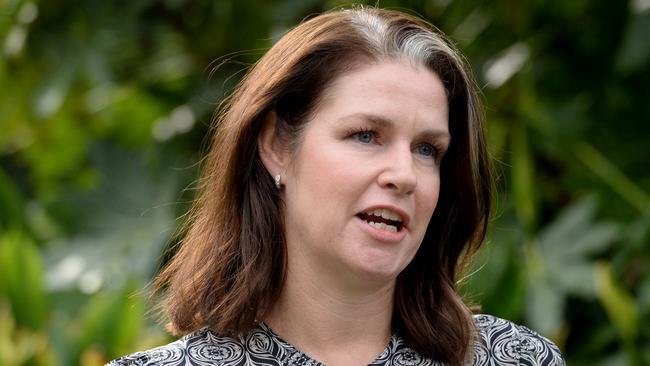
{"x":383,"y":219}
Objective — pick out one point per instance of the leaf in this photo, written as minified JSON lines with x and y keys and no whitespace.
{"x":574,"y":277}
{"x":544,"y":307}
{"x":544,"y":301}
{"x":568,"y":244}
{"x":21,"y":279}
{"x":634,"y":53}
{"x":612,"y":175}
{"x":11,"y":209}
{"x":19,"y":345}
{"x":53,"y":89}
{"x":618,"y":303}
{"x":644,"y":293}
{"x":522,"y":177}
{"x":113,"y":319}
{"x":574,"y":236}
{"x":595,"y":240}
{"x":569,"y":224}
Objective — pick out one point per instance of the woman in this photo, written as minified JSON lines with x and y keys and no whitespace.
{"x":347,"y":184}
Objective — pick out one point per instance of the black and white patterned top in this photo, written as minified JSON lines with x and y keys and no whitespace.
{"x":504,"y":343}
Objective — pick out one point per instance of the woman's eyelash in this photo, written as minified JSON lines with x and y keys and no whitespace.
{"x":431,"y":150}
{"x":366,"y":135}
{"x":440,"y":150}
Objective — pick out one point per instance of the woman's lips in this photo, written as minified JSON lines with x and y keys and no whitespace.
{"x":380,"y":233}
{"x":387,"y":214}
{"x":382,"y":220}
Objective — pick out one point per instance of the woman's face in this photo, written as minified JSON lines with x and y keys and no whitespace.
{"x":362,"y":186}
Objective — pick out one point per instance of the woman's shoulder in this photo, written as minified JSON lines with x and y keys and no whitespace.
{"x":510,"y":344}
{"x":170,"y":354}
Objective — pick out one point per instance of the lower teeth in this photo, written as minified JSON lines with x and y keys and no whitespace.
{"x":382,"y":226}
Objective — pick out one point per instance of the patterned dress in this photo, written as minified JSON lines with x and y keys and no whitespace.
{"x":503,"y":343}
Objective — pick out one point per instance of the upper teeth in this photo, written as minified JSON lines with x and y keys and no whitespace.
{"x":386,"y":214}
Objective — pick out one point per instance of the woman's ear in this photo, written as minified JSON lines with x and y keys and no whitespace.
{"x":274,"y":156}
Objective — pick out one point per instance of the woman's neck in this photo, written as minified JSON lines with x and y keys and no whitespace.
{"x":333,"y":324}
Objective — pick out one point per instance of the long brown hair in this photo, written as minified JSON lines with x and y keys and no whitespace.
{"x":231,"y":263}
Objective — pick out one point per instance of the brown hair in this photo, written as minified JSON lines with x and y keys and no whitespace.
{"x":230,"y":267}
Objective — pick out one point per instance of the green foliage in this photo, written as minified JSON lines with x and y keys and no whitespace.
{"x":20,"y":346}
{"x":619,"y":304}
{"x":105,"y":108}
{"x":22,"y":277}
{"x":112,"y":320}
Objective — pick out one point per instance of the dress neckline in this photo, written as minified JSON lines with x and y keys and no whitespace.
{"x":303,"y":358}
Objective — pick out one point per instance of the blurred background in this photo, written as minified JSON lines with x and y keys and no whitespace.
{"x":104,"y":113}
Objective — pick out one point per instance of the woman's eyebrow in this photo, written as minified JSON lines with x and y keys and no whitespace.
{"x":369,"y":117}
{"x":431,"y":134}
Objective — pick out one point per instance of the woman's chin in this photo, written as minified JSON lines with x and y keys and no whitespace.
{"x":377,"y":273}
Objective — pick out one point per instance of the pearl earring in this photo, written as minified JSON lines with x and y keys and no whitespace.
{"x":277,"y":181}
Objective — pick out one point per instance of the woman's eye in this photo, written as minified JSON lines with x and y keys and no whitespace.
{"x":426,"y":150}
{"x":365,"y":136}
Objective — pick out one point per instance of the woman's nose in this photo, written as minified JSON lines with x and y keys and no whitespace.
{"x":398,"y":172}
